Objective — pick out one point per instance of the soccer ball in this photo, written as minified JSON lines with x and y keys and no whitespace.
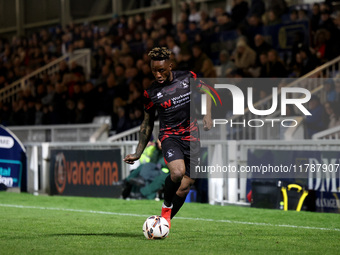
{"x":156,"y":227}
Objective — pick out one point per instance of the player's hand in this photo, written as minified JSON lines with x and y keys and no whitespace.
{"x":207,"y":123}
{"x":159,"y":144}
{"x":131,"y":158}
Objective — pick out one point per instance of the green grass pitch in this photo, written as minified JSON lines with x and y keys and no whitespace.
{"x":77,"y":225}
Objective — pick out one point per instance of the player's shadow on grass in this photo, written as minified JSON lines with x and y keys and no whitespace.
{"x":128,"y":235}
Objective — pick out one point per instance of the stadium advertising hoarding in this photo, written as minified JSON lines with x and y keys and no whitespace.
{"x":85,"y":172}
{"x":317,"y":171}
{"x":12,"y":160}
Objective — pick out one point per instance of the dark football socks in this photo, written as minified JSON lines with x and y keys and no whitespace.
{"x":170,"y":190}
{"x":177,"y":203}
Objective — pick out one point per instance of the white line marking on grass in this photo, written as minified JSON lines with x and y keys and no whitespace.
{"x":179,"y":218}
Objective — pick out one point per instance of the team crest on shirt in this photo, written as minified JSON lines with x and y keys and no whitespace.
{"x":170,"y":153}
{"x":184,"y":84}
{"x":159,"y":95}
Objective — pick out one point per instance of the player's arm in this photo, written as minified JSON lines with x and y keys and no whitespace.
{"x":144,"y":136}
{"x":207,"y":122}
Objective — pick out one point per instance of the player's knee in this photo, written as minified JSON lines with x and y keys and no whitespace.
{"x":177,"y":175}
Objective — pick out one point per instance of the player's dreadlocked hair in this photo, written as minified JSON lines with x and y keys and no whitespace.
{"x":158,"y":53}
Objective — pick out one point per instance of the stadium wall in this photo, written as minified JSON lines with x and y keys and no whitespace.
{"x":224,"y":188}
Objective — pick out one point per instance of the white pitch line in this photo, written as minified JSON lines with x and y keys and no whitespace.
{"x":179,"y":218}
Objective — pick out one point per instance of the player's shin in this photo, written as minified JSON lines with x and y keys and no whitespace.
{"x":177,"y":203}
{"x":170,"y":190}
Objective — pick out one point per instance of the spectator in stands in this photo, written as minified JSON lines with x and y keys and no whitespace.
{"x":302,"y":15}
{"x":185,"y":61}
{"x":330,"y":90}
{"x":146,"y":82}
{"x":332,"y":111}
{"x":336,"y":80}
{"x":326,"y":21}
{"x":71,"y":111}
{"x":226,"y":64}
{"x":199,"y":58}
{"x":272,"y":18}
{"x":264,"y":65}
{"x":315,"y":122}
{"x":204,"y":16}
{"x":315,"y":17}
{"x":170,"y":42}
{"x":277,"y":68}
{"x":29,"y":112}
{"x":224,"y":23}
{"x":279,"y":7}
{"x":293,"y":16}
{"x":244,"y":56}
{"x":335,"y":37}
{"x":123,"y":122}
{"x":328,"y":24}
{"x":261,"y":46}
{"x":135,"y":93}
{"x":5,"y":114}
{"x":58,"y":104}
{"x":239,"y":11}
{"x":3,"y":80}
{"x":308,"y":61}
{"x":203,"y":42}
{"x":320,"y":44}
{"x":184,"y":43}
{"x":194,"y":15}
{"x":192,"y":32}
{"x":207,"y":27}
{"x":138,"y":115}
{"x":119,"y":73}
{"x":81,"y":114}
{"x":257,"y":7}
{"x":208,"y":69}
{"x":75,"y":92}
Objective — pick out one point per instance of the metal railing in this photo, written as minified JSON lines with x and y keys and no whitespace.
{"x":328,"y":134}
{"x":81,"y":57}
{"x":61,"y":133}
{"x":133,"y":134}
{"x":128,"y":135}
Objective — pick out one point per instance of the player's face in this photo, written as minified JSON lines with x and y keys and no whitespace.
{"x":161,"y":70}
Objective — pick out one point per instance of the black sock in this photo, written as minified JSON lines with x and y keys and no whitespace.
{"x":170,"y":190}
{"x":177,"y":203}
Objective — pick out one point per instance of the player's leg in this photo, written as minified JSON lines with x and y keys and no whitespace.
{"x":181,"y":194}
{"x":172,"y":183}
{"x":191,"y":152}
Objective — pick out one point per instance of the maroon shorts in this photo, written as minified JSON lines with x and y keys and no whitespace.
{"x":189,"y":151}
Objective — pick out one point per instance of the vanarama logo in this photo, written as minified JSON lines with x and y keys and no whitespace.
{"x":60,"y":172}
{"x":73,"y":169}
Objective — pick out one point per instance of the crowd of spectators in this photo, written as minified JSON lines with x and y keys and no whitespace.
{"x":121,"y":68}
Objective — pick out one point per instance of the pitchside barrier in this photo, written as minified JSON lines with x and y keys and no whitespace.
{"x":64,"y":167}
